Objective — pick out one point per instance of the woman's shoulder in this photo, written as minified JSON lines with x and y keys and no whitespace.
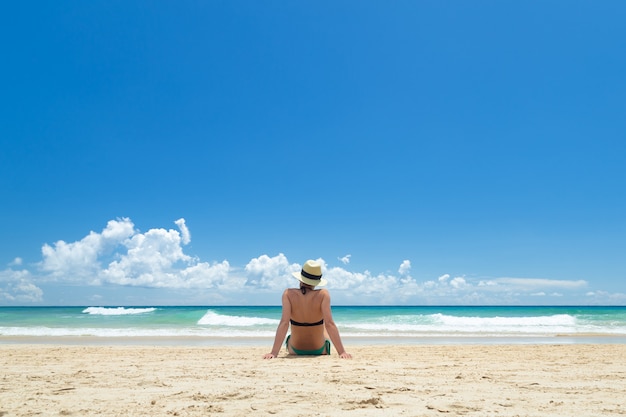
{"x":321,"y":291}
{"x":291,"y":292}
{"x":322,"y":294}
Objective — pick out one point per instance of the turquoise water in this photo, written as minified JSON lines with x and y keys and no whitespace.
{"x":370,"y":324}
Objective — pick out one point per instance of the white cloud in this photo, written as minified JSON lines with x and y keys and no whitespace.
{"x":535,"y":283}
{"x":204,"y":275}
{"x":149,"y":259}
{"x":368,"y":288}
{"x":186,"y":236}
{"x":270,"y":272}
{"x":156,"y":259}
{"x":601,"y":296}
{"x":80,"y":260}
{"x":121,"y":255}
{"x":152,"y":259}
{"x":405,"y":267}
{"x":458,"y":282}
{"x":18,"y":287}
{"x":341,"y":279}
{"x":16,"y":262}
{"x":345,"y":260}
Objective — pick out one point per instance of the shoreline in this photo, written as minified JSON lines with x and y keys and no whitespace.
{"x":424,"y":380}
{"x":199,"y":341}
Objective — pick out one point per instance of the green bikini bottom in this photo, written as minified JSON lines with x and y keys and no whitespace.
{"x":320,"y":351}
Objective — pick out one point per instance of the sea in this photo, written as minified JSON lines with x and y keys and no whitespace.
{"x":363,"y":325}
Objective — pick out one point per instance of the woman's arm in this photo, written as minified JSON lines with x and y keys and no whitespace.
{"x":281,"y":330}
{"x":331,"y":327}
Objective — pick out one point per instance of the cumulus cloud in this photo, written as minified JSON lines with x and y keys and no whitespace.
{"x":458,"y":282}
{"x":273,"y":273}
{"x":186,"y":236}
{"x":148,"y":260}
{"x":16,"y":262}
{"x":156,"y":259}
{"x":405,"y":267}
{"x":122,"y":255}
{"x":18,"y":286}
{"x":345,"y":259}
{"x":368,"y":288}
{"x":80,"y":260}
{"x":151,"y":259}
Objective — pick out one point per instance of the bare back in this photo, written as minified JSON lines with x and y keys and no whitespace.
{"x":306,"y":308}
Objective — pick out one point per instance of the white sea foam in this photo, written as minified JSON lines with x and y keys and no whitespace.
{"x":513,"y":323}
{"x":442,"y":323}
{"x":211,"y":318}
{"x":215,"y":323}
{"x":117,"y":311}
{"x":131,"y":332}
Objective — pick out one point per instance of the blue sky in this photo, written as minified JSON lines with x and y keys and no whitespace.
{"x":428,"y":152}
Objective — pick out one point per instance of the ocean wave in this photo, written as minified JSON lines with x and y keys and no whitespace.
{"x":490,"y":322}
{"x":374,"y":324}
{"x":117,"y":311}
{"x":211,"y":318}
{"x":130,"y":332}
{"x":442,"y":323}
{"x":386,"y":335}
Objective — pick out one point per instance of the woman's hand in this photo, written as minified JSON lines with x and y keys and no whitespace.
{"x":345,"y":355}
{"x":269,"y":356}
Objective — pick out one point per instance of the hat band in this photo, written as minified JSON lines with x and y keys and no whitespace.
{"x":310,"y":276}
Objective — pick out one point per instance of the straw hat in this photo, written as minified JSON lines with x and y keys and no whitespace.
{"x":311,"y":274}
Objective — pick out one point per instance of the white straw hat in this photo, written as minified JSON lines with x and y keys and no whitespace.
{"x":311,"y":274}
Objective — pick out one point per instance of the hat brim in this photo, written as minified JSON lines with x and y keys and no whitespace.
{"x":308,"y":281}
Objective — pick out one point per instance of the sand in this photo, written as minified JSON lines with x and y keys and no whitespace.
{"x":419,"y":380}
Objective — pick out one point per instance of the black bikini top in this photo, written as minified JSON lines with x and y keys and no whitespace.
{"x":296,"y":323}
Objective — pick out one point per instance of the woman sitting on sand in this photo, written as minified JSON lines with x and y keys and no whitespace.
{"x":311,"y":320}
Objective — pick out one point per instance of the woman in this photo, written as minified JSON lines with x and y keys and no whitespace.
{"x":311,"y":320}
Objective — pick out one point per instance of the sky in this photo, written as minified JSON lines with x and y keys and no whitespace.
{"x":426,"y":152}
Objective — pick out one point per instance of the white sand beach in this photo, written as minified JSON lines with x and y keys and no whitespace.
{"x":434,"y":380}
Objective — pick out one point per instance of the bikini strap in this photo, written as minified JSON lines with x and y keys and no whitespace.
{"x":296,"y":323}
